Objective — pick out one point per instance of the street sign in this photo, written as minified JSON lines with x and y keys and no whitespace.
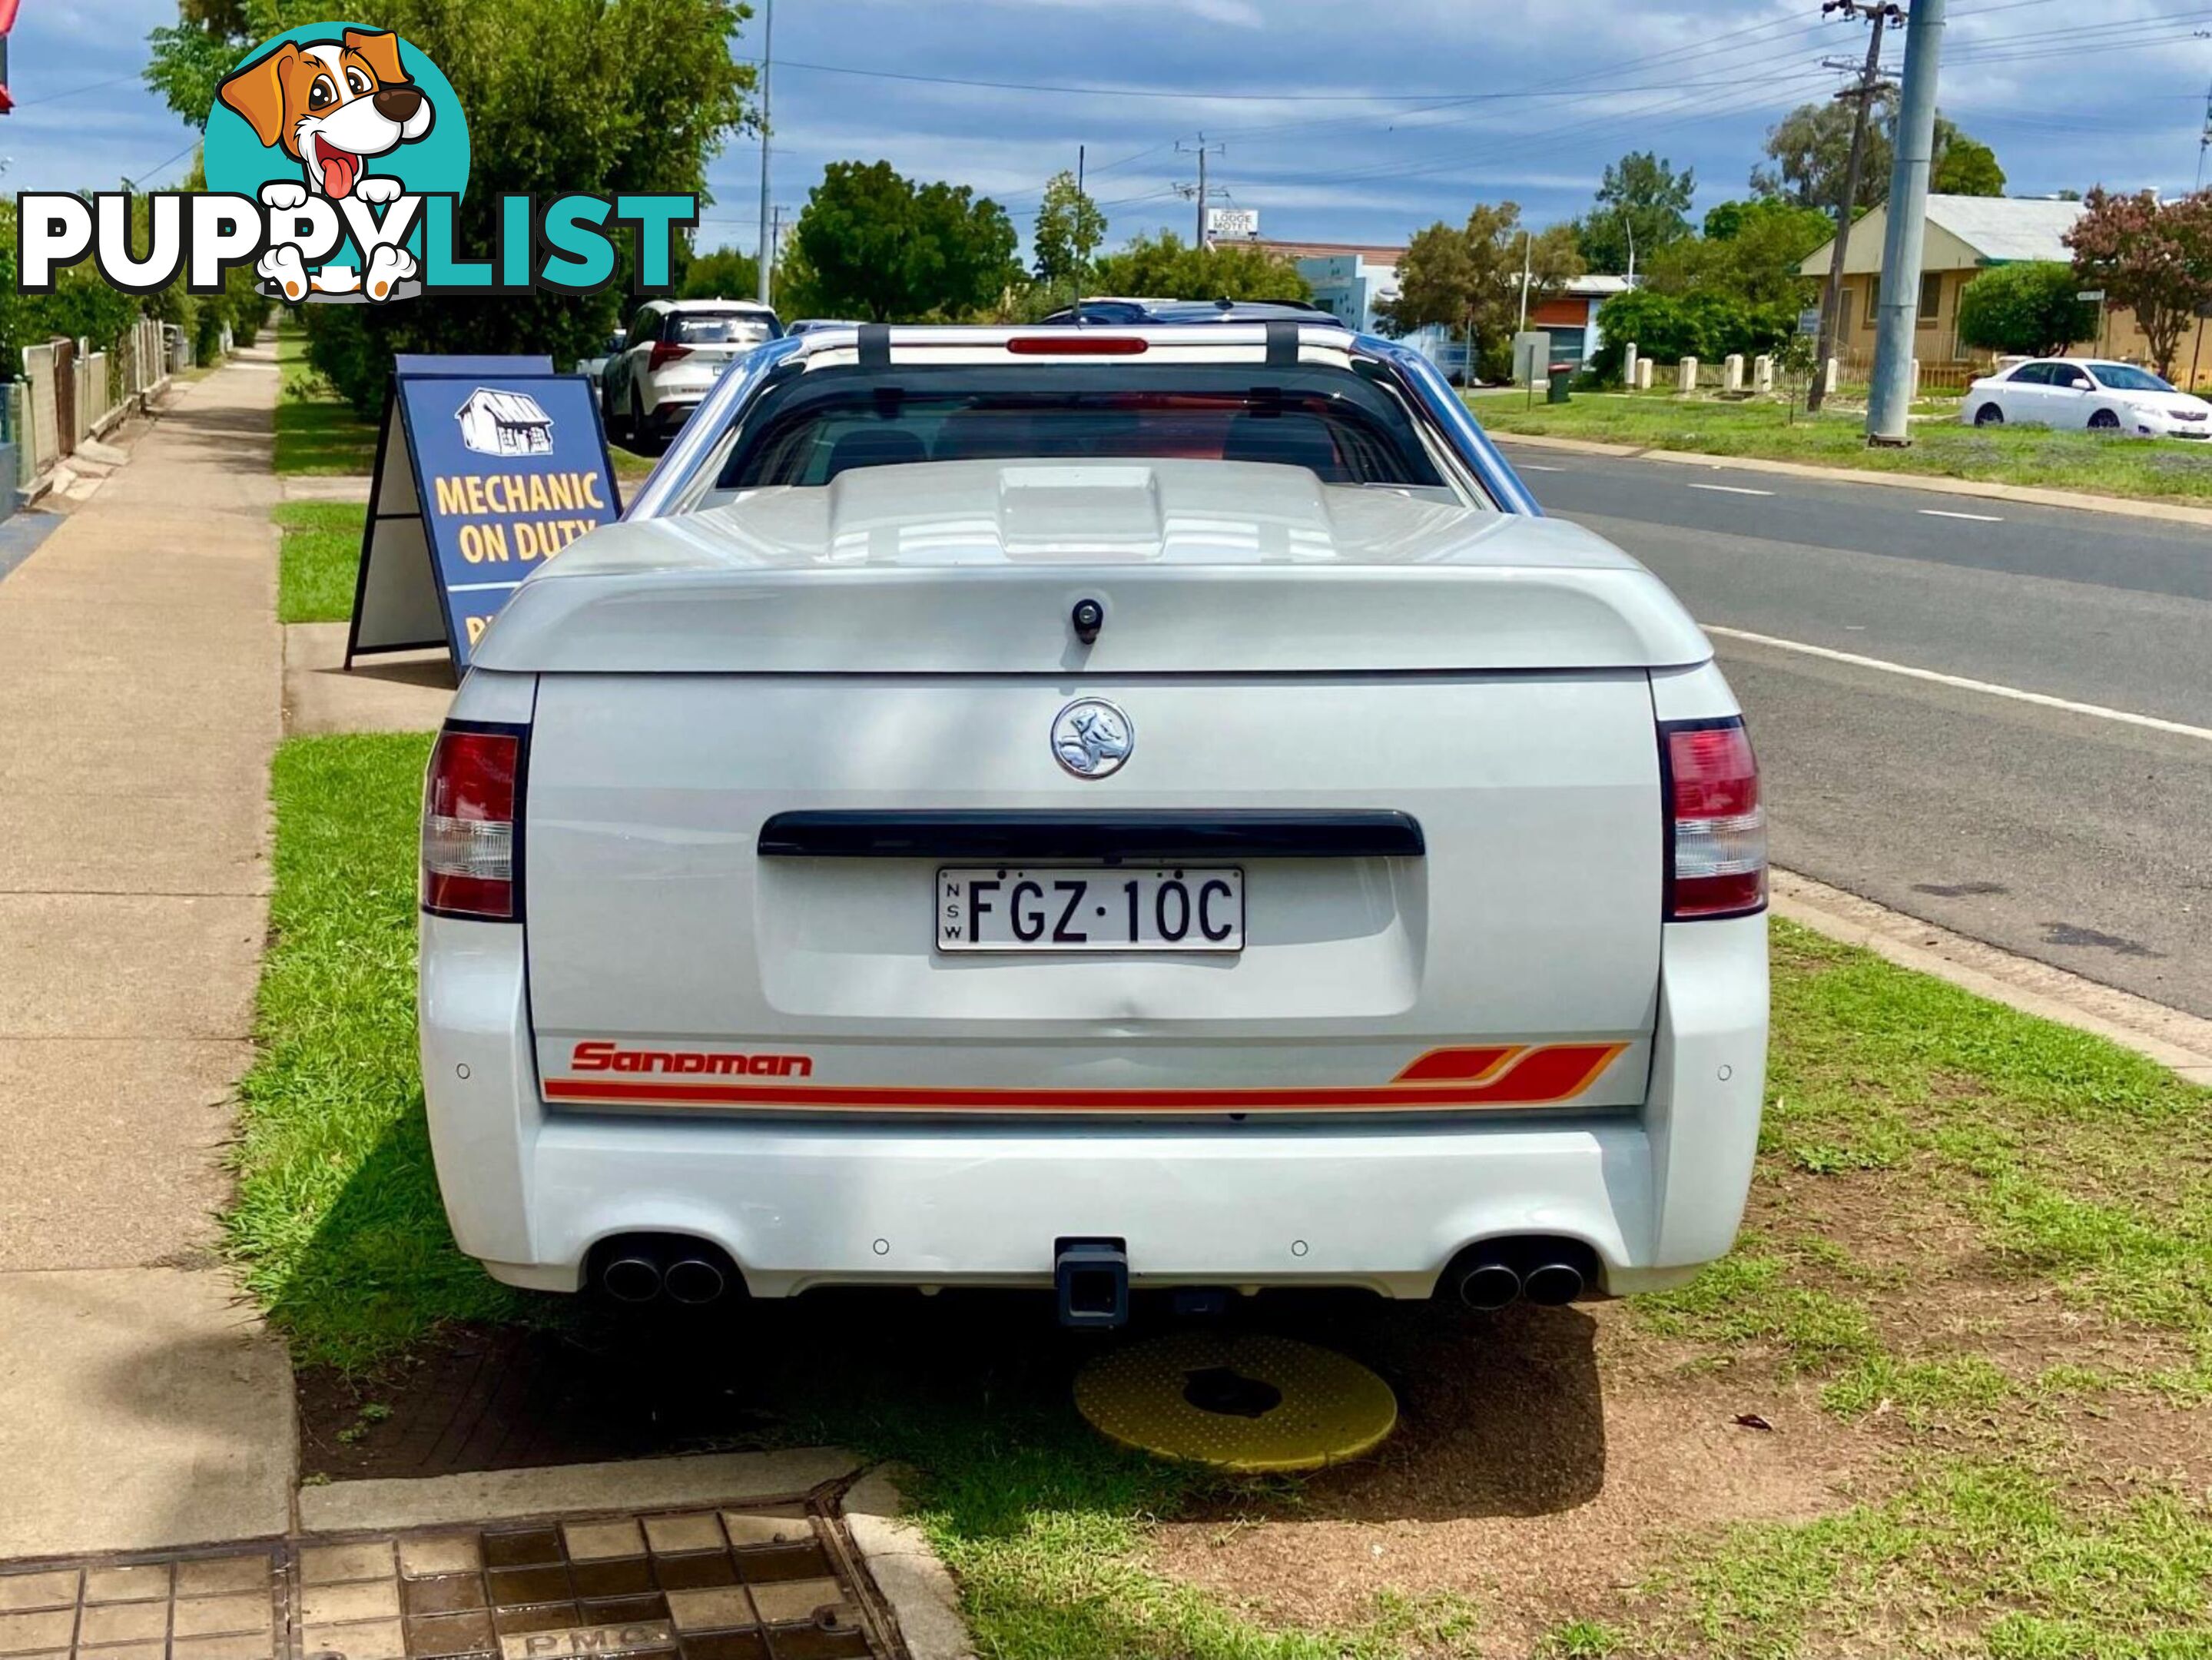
{"x":1808,"y":320}
{"x":2090,"y":294}
{"x":505,"y":465}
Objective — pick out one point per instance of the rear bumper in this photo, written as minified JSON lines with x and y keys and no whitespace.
{"x":1655,"y":1191}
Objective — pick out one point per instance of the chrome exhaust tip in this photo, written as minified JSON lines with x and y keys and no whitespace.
{"x":695,"y":1281}
{"x":632,"y":1277}
{"x":1489,"y":1286}
{"x":1553,"y":1284}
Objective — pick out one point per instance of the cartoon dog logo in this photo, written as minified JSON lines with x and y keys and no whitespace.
{"x":332,"y":106}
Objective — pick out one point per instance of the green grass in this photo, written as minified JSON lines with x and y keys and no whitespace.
{"x":317,"y":432}
{"x":630,"y":468}
{"x":2076,"y":1169}
{"x":2162,"y":470}
{"x":321,"y":557}
{"x":336,"y":1218}
{"x":1972,"y":1549}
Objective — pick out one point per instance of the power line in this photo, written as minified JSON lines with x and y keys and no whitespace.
{"x":55,"y":97}
{"x":1877,"y":14}
{"x":1763,"y":92}
{"x":190,"y":145}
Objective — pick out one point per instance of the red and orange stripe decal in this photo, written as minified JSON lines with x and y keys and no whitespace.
{"x":1492,"y":1075}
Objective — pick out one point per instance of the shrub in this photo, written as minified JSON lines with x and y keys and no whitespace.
{"x":1709,"y":327}
{"x":2028,"y":309}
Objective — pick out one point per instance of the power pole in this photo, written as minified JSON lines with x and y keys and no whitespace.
{"x":1879,"y":15}
{"x":1199,"y":192}
{"x":1889,"y":406}
{"x":1528,"y":250}
{"x":768,"y":61}
{"x":2203,"y":142}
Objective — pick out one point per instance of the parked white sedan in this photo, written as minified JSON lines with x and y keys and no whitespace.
{"x":2087,"y":393}
{"x":1092,"y":808}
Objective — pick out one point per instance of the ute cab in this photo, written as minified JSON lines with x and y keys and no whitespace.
{"x":1104,"y":808}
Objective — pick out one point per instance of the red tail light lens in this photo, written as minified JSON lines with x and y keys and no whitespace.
{"x":471,"y":856}
{"x":1076,"y":344}
{"x":663,"y":353}
{"x":1715,"y":826}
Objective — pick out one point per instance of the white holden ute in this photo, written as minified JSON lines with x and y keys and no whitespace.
{"x":1093,"y":808}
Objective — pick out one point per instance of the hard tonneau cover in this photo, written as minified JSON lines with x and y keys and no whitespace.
{"x":972,"y":568}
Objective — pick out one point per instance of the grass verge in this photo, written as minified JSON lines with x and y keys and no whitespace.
{"x":317,"y":431}
{"x":2161,"y":470}
{"x":320,"y":560}
{"x":1980,"y":1251}
{"x":336,"y":1218}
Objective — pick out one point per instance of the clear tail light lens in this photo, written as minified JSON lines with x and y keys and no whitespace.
{"x":471,"y":857}
{"x":1715,"y":825}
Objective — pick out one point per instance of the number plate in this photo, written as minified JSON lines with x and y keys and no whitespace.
{"x":1096,"y":908}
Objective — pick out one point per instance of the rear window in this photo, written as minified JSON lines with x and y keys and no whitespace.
{"x":1341,"y":426}
{"x":719,"y":328}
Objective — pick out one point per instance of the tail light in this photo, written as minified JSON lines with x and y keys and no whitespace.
{"x":472,"y":845}
{"x":1715,"y":826}
{"x":1075,"y":344}
{"x":663,"y":353}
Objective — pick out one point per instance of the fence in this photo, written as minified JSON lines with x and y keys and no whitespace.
{"x":68,"y":394}
{"x":1938,"y":377}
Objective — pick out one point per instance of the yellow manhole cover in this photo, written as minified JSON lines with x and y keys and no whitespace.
{"x":1237,"y":1401}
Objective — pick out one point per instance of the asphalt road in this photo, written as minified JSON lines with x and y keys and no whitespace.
{"x":2082,"y":836}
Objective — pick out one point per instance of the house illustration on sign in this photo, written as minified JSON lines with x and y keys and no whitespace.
{"x":496,"y":422}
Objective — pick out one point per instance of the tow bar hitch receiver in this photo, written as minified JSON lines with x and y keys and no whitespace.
{"x":1091,"y":1280}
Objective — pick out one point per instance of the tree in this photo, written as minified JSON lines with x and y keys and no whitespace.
{"x":1750,"y":253}
{"x":2027,"y":308}
{"x":1069,"y":226}
{"x":1965,"y":166}
{"x":724,"y":274}
{"x":2154,"y":257}
{"x":1810,"y":148}
{"x":1164,"y":267}
{"x":874,"y":244}
{"x":1643,"y":205}
{"x":611,"y":97}
{"x":1669,"y":327}
{"x":1470,"y":279}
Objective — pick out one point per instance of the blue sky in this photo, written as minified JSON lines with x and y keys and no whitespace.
{"x":1339,"y":122}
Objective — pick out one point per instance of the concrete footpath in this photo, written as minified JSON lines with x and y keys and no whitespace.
{"x":140,"y":1403}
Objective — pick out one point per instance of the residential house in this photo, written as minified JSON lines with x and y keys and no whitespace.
{"x":1966,"y":236}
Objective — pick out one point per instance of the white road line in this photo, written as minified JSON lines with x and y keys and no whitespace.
{"x":2125,"y":716}
{"x":1979,"y":518}
{"x":1732,"y":489}
{"x":1531,"y":466}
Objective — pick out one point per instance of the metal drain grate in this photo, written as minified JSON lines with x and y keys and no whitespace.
{"x":768,"y":1582}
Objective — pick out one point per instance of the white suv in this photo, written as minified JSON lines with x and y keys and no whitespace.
{"x":672,"y":355}
{"x":1094,"y":808}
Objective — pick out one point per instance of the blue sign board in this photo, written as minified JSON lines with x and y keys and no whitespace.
{"x":506,"y":464}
